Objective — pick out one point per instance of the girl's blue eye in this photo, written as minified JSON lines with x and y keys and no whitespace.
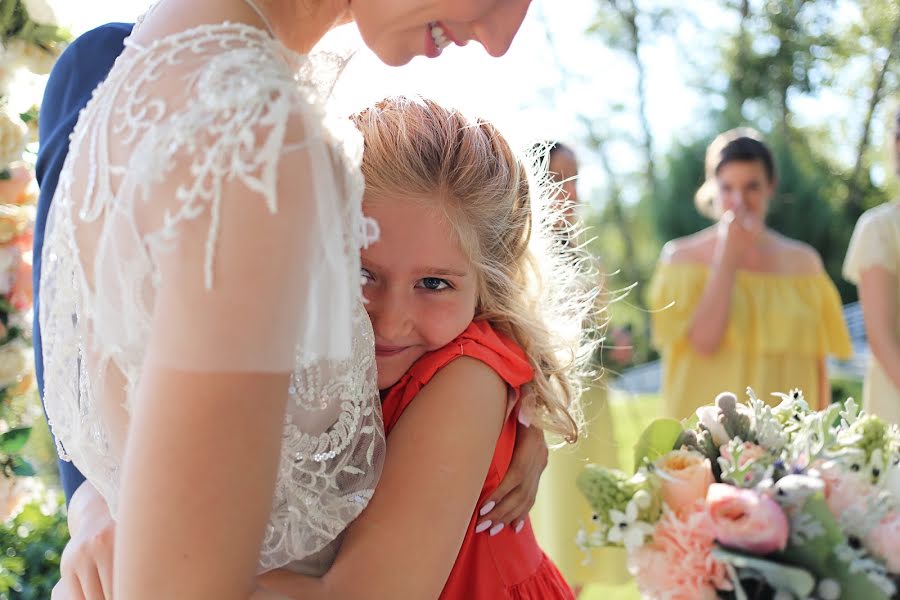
{"x":435,"y":284}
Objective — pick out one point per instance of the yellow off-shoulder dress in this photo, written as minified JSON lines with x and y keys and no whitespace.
{"x":560,"y":509}
{"x":780,"y":328}
{"x":876,"y":242}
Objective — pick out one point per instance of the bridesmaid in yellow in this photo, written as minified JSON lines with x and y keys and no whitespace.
{"x":872,"y":263}
{"x":737,"y":304}
{"x":560,"y":511}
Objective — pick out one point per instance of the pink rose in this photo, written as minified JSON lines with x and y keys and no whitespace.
{"x":746,"y":520}
{"x":884,"y":541}
{"x":750,"y":451}
{"x":843,"y":489}
{"x":686,"y":541}
{"x":686,"y":475}
{"x":21,"y":295}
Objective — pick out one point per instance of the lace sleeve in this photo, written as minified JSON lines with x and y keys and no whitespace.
{"x":243,"y":202}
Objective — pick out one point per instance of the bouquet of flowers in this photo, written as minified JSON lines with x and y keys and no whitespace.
{"x":746,"y":500}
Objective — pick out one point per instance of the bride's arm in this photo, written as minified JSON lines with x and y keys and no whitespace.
{"x":243,"y":285}
{"x":187,"y":529}
{"x":406,"y":541}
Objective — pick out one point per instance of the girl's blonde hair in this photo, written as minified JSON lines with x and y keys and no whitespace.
{"x":529,"y":283}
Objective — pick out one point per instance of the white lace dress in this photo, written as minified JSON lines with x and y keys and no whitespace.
{"x":207,"y":162}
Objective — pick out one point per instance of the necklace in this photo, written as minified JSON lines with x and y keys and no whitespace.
{"x":262,"y":16}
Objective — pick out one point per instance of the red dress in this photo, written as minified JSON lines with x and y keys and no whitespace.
{"x":507,"y":565}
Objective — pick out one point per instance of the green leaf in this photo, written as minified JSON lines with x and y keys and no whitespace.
{"x":14,"y":440}
{"x":657,"y":439}
{"x":795,"y":580}
{"x":22,"y":467}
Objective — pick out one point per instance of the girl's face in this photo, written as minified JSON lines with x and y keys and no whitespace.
{"x":744,"y":186}
{"x":420,"y":286}
{"x":398,"y":30}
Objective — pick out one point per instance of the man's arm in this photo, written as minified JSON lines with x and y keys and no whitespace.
{"x":80,"y":69}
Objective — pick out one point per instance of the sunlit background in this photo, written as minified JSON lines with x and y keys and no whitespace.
{"x":555,"y":76}
{"x":540,"y":89}
{"x":638,"y":88}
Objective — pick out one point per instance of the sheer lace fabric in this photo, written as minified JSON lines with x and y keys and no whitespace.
{"x":208,"y":219}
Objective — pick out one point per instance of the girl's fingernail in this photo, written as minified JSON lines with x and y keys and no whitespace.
{"x":487,"y":508}
{"x":497,"y":529}
{"x":483,"y":526}
{"x":520,"y":526}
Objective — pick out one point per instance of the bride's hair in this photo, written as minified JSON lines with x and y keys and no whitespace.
{"x":529,"y":283}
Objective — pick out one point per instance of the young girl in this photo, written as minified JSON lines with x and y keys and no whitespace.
{"x":477,"y":318}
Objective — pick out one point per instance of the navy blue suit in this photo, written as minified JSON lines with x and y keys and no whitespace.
{"x":80,"y":69}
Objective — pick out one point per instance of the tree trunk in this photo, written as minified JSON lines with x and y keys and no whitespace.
{"x":854,"y":193}
{"x":630,"y":18}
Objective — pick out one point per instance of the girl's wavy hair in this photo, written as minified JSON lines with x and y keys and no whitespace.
{"x":530,"y":283}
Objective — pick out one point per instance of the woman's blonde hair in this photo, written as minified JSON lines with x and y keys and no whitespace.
{"x":529,"y":284}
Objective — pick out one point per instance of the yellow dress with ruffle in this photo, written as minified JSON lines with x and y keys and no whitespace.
{"x":876,"y":242}
{"x":779,"y":329}
{"x":560,"y":509}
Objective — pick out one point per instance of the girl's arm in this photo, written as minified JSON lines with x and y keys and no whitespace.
{"x":407,"y":540}
{"x":878,"y":294}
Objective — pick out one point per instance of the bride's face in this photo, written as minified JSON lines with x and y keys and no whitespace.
{"x":399,"y":30}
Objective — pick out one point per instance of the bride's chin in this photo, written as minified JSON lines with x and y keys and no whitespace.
{"x":394,"y":57}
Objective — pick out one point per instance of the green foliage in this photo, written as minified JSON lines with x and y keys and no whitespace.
{"x":658,"y":438}
{"x":32,"y":544}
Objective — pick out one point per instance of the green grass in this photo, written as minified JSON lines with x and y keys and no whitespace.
{"x":630,"y":416}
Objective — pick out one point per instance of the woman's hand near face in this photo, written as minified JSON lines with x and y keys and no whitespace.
{"x":737,"y":231}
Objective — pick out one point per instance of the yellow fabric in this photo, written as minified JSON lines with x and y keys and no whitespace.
{"x":876,"y":242}
{"x":561,"y":510}
{"x":780,"y":327}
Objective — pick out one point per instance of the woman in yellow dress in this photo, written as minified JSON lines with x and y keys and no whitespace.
{"x":872,"y":263}
{"x":560,"y":510}
{"x":738,"y":305}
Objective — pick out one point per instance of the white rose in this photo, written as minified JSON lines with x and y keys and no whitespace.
{"x":13,"y":364}
{"x":40,"y":12}
{"x":12,"y":139}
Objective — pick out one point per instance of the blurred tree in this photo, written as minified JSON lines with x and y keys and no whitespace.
{"x":876,"y":35}
{"x":812,"y":75}
{"x":624,"y":25}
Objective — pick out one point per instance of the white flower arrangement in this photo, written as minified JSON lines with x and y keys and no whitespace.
{"x":12,"y":138}
{"x":40,"y":12}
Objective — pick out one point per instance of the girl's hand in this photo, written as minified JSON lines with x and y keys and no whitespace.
{"x":510,"y":503}
{"x":87,"y":562}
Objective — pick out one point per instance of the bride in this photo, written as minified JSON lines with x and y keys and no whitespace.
{"x":208,"y":364}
